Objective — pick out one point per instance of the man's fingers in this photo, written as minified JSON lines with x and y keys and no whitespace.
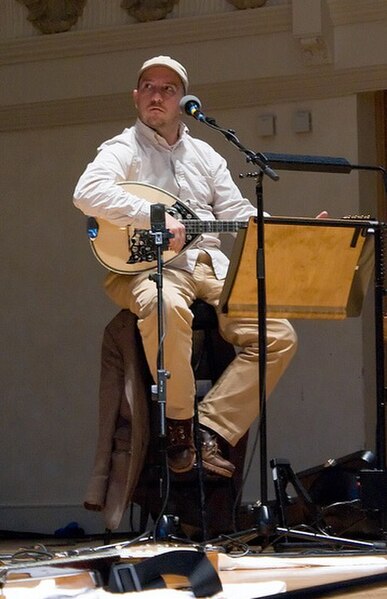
{"x":177,"y":229}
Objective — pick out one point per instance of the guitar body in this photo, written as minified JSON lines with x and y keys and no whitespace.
{"x":127,"y":250}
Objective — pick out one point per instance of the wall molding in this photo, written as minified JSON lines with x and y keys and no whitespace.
{"x":265,"y":20}
{"x":348,"y":12}
{"x":255,"y":22}
{"x":322,"y":83}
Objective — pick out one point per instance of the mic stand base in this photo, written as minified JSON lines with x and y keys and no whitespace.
{"x":331,"y":540}
{"x":265,"y":539}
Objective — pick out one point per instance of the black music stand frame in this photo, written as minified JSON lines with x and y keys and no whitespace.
{"x":329,"y":164}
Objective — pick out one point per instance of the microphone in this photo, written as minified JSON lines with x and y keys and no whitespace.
{"x":157,"y":217}
{"x":192,"y":105}
{"x":160,"y":233}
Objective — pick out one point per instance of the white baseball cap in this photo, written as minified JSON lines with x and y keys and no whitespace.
{"x":170,"y":63}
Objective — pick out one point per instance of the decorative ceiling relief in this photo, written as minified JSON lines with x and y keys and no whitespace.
{"x":56,"y":16}
{"x":314,"y":32}
{"x":53,"y":16}
{"x":247,"y":3}
{"x":315,"y":50}
{"x":148,"y":10}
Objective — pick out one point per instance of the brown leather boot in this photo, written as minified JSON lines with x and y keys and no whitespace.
{"x":212,"y":458}
{"x":180,"y":445}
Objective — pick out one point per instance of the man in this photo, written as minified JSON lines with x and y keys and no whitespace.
{"x":158,"y":150}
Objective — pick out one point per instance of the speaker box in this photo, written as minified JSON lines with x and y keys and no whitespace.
{"x":336,"y":479}
{"x":349,"y":495}
{"x":373,"y":489}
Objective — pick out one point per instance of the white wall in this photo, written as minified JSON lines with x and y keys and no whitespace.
{"x":56,"y":107}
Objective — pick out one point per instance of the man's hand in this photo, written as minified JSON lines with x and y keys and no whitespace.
{"x":176,"y":243}
{"x":323,"y":214}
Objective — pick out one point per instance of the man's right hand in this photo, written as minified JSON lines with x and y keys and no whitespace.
{"x":176,"y":243}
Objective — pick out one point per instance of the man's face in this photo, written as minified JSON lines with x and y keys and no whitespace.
{"x":157,"y":100}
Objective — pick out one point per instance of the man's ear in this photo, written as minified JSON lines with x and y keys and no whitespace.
{"x":134,"y":95}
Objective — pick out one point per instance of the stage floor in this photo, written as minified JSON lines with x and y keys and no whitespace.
{"x":70,"y":572}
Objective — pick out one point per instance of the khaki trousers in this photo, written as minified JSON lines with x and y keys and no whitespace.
{"x":232,"y":405}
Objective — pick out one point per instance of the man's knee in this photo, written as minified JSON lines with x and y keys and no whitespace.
{"x":177,"y":310}
{"x":282,"y":342}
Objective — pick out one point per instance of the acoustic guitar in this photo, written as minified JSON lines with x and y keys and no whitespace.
{"x":129,"y":250}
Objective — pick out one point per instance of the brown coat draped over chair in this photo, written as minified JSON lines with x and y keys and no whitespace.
{"x":125,"y":386}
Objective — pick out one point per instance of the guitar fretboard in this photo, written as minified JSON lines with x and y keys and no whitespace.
{"x":196,"y":227}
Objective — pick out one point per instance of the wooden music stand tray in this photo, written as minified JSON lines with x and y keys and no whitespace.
{"x":315,"y":269}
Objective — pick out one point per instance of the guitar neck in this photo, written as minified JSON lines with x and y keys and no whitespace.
{"x":195,"y":227}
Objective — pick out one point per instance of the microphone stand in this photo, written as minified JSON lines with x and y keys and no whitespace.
{"x":161,"y":237}
{"x":317,"y":164}
{"x":263,"y":169}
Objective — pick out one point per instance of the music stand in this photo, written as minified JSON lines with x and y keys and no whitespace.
{"x":315,"y":269}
